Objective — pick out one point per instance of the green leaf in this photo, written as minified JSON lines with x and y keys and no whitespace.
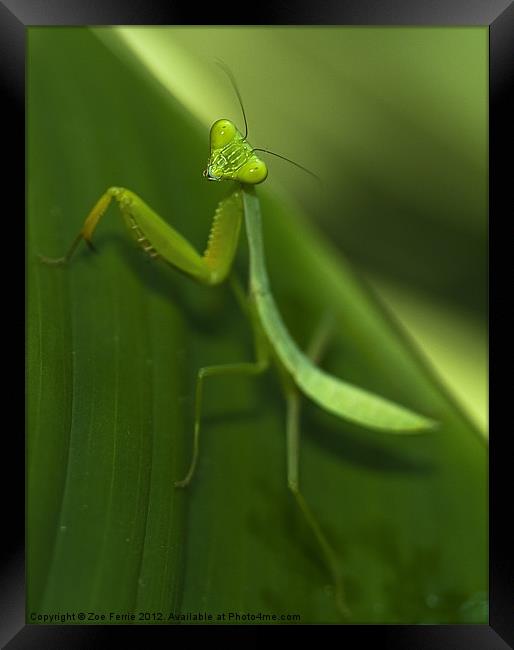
{"x":114,"y":344}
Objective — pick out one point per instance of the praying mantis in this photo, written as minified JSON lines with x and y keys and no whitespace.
{"x":232,"y":158}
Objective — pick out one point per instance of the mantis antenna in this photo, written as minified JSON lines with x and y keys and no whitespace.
{"x":231,"y":77}
{"x":291,"y":161}
{"x":229,"y":74}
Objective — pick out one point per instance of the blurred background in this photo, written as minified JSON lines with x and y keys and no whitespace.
{"x":394,"y":121}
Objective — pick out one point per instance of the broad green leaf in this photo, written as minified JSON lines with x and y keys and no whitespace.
{"x":114,"y":344}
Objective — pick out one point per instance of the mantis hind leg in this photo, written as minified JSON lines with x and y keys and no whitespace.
{"x":321,"y":337}
{"x":293,"y":439}
{"x":315,"y":350}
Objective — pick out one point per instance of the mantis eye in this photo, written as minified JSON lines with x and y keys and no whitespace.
{"x":222,"y":132}
{"x":253,"y":172}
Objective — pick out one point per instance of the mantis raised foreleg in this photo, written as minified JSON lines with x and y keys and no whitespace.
{"x":159,"y":240}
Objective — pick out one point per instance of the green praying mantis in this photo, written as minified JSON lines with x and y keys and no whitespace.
{"x":232,"y":158}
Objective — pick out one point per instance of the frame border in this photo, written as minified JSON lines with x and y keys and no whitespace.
{"x":498,"y":15}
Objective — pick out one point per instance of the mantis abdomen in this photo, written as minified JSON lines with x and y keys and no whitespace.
{"x":336,"y":396}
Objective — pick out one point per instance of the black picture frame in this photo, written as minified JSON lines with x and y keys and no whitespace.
{"x":498,"y":15}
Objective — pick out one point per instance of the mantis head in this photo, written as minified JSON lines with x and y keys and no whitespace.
{"x":231,"y":157}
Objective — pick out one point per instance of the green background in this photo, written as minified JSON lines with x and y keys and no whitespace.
{"x":394,"y":122}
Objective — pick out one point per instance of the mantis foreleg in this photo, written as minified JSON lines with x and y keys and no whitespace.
{"x":157,"y":238}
